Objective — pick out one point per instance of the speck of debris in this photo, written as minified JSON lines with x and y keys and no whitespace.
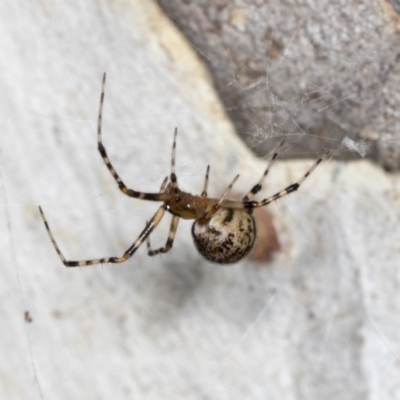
{"x":57,"y":314}
{"x":27,"y":317}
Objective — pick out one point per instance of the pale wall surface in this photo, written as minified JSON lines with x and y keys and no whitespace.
{"x":320,"y":322}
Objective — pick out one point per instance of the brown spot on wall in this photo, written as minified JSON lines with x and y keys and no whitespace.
{"x":267,"y":242}
{"x":27,"y":317}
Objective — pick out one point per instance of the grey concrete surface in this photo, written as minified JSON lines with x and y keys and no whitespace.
{"x":313,"y":70}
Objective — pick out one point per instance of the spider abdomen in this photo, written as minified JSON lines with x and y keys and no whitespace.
{"x":227,"y":237}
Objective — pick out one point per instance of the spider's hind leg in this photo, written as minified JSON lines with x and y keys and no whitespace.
{"x":256,"y":188}
{"x":289,"y":189}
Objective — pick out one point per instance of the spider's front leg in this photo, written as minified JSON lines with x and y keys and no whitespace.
{"x":170,"y":239}
{"x":103,"y":153}
{"x":171,"y":233}
{"x":150,"y":226}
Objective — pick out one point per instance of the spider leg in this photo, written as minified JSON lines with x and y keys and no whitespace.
{"x":174,"y":180}
{"x":291,"y":188}
{"x":256,"y":188}
{"x":204,"y":192}
{"x":207,"y":216}
{"x":218,"y":205}
{"x":127,"y":254}
{"x":170,"y":239}
{"x":171,"y":234}
{"x":163,"y":184}
{"x":103,"y":153}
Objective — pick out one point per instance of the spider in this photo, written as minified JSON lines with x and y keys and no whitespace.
{"x":224,"y":231}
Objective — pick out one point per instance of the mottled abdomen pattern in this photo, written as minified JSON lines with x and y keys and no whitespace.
{"x":227,"y":237}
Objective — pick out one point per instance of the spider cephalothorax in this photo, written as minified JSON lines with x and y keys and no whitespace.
{"x":224,"y":230}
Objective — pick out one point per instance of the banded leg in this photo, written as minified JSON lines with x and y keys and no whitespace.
{"x":204,"y":192}
{"x":103,"y":153}
{"x":216,"y":207}
{"x":171,"y":233}
{"x":115,"y":260}
{"x":170,"y":240}
{"x":256,"y":188}
{"x":174,"y":179}
{"x":163,"y":184}
{"x":291,"y":188}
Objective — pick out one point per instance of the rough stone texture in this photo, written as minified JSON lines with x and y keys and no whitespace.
{"x":314,"y":71}
{"x":395,"y":4}
{"x":319,"y":322}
